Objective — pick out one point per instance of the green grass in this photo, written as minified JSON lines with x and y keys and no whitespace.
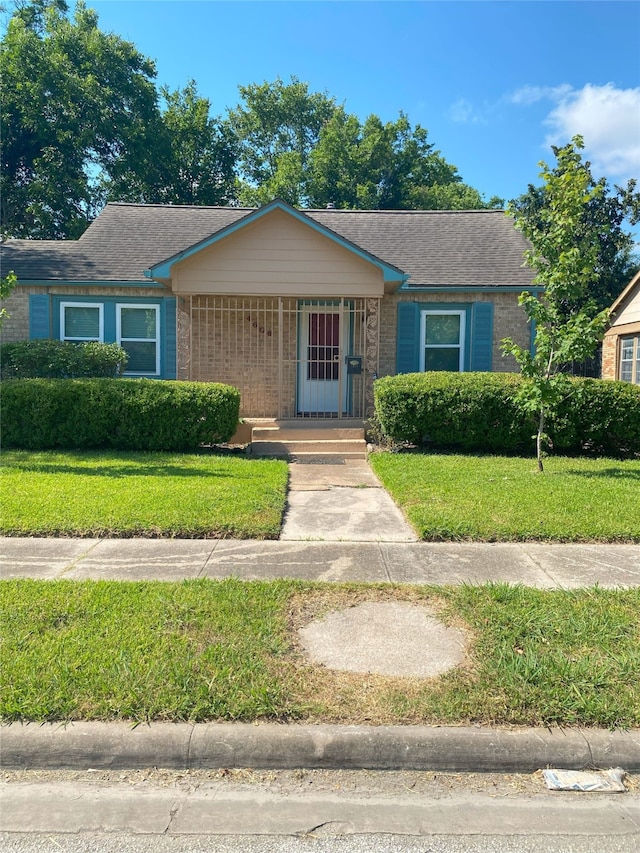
{"x":141,"y":494}
{"x":498,"y":499}
{"x":227,"y":650}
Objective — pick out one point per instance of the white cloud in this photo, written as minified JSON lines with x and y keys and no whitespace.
{"x":609,"y":121}
{"x":532,"y":94}
{"x":464,"y":113}
{"x":606,"y":117}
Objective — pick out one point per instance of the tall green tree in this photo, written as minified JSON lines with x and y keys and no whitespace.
{"x":603,"y":220}
{"x":383,"y":166}
{"x":565,"y":255}
{"x":305,"y":148}
{"x":277,"y":126}
{"x":75,"y":102}
{"x":191,"y":160}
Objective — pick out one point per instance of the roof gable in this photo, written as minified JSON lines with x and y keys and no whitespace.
{"x":163,"y":269}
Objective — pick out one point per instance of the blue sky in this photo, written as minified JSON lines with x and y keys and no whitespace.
{"x":494,"y":83}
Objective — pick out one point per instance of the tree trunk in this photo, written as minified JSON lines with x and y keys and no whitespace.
{"x":539,"y":441}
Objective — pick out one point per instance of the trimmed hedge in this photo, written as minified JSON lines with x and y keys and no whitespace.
{"x":52,"y":359}
{"x":479,"y":412}
{"x":119,"y":414}
{"x":601,"y":417}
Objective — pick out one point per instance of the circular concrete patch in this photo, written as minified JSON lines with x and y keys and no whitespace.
{"x":387,"y":638}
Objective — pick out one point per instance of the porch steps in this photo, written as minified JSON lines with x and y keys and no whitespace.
{"x":303,"y":439}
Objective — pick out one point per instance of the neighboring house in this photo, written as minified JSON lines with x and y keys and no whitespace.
{"x":621,"y":345}
{"x":300,"y":310}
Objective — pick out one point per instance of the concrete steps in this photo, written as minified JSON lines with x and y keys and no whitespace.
{"x":290,"y":439}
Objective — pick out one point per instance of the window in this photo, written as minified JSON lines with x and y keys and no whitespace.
{"x":81,"y":322}
{"x":442,"y":340}
{"x":630,"y":359}
{"x":137,"y":332}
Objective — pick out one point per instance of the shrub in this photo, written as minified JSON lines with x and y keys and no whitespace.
{"x":468,"y":411}
{"x":601,"y":417}
{"x":52,"y":359}
{"x":479,"y":412}
{"x":122,"y":414}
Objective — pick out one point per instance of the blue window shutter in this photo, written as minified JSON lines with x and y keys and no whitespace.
{"x":408,"y":343}
{"x":168,"y":340}
{"x":482,"y":336}
{"x":39,"y":316}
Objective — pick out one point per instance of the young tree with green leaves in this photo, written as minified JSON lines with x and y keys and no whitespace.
{"x":567,"y":320}
{"x":603,"y":217}
{"x":7,"y":283}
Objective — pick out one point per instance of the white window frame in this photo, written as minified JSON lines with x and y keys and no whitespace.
{"x":156,"y":341}
{"x":98,"y":305}
{"x":635,"y":357}
{"x":423,"y":334}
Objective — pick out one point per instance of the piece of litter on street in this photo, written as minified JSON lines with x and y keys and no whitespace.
{"x":585,"y":780}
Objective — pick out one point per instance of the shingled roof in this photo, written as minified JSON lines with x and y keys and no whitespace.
{"x":436,"y":248}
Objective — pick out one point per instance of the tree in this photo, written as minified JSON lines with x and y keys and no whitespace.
{"x":381,"y":166}
{"x":277,"y":127}
{"x":602,"y":219}
{"x":76,"y":102}
{"x":192,"y":159}
{"x":565,"y":255}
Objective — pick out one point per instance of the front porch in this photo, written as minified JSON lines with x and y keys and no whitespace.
{"x":293,"y":359}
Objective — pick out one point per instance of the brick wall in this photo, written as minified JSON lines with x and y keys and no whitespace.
{"x":15,"y":326}
{"x":609,"y":357}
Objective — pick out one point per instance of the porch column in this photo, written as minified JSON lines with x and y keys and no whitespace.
{"x":184,"y":337}
{"x":372,"y":313}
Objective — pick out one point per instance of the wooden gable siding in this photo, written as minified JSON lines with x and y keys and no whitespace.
{"x":278,"y":255}
{"x":630,"y":313}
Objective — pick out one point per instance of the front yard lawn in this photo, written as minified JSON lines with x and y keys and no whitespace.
{"x":502,"y":498}
{"x":198,"y":495}
{"x":228,"y":650}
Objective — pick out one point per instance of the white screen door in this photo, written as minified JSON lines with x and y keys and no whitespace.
{"x":322,"y":347}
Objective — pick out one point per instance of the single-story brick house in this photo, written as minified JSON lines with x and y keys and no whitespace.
{"x":300,"y":310}
{"x":621,"y":344}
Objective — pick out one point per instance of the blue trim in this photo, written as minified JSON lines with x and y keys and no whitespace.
{"x":498,"y":288}
{"x":62,"y":283}
{"x":163,"y":269}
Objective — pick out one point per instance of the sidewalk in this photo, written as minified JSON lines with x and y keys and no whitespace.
{"x":531,"y":564}
{"x":340,"y":526}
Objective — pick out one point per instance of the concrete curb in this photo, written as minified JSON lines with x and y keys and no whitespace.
{"x":117,"y":746}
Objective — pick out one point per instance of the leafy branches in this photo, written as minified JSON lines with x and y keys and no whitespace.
{"x":568,"y":325}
